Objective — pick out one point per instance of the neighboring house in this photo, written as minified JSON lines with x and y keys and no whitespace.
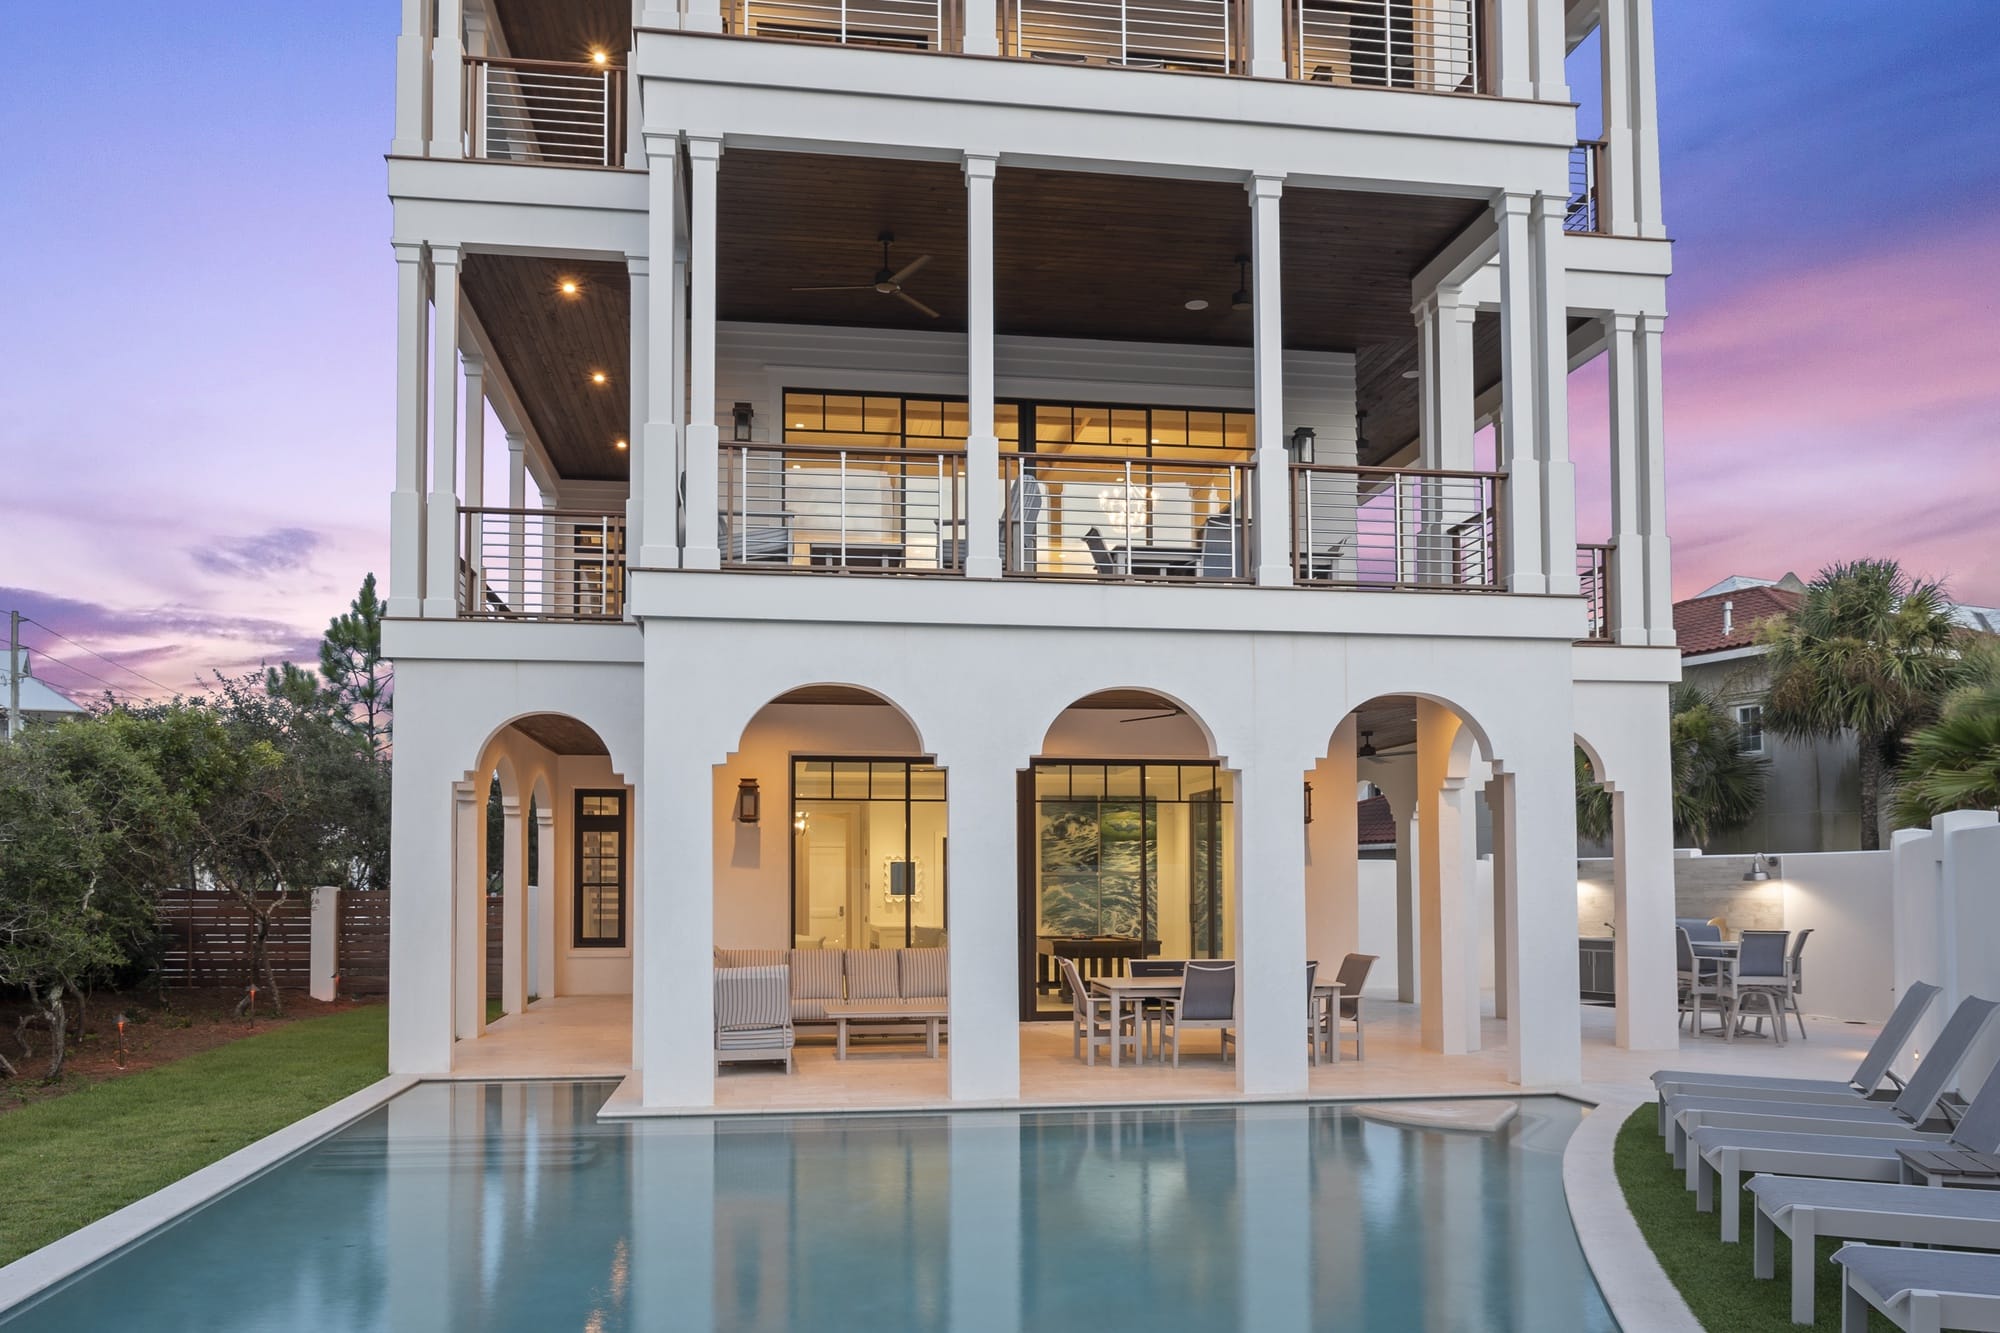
{"x":40,"y":701}
{"x":987,"y":458}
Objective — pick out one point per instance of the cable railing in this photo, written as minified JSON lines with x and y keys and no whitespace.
{"x":1593,"y":577}
{"x":821,"y":507}
{"x":546,"y":112}
{"x":1113,"y":517}
{"x":1584,"y":213}
{"x":908,"y":24}
{"x":1137,"y":34}
{"x":541,"y":564}
{"x":1355,"y":527}
{"x":1419,"y":45}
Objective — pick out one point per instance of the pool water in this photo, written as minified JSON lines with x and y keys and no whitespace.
{"x":508,"y":1206}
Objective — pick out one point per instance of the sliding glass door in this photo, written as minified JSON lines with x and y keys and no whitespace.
{"x":868,"y":853}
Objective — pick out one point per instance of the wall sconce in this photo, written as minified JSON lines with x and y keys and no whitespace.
{"x":1759,"y":870}
{"x":1309,"y":803}
{"x":743,"y":414}
{"x":1301,"y":445}
{"x":749,"y":801}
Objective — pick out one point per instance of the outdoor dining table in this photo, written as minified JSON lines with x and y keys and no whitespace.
{"x":1135,"y":991}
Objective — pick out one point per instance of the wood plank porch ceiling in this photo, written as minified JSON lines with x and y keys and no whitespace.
{"x":569,"y":30}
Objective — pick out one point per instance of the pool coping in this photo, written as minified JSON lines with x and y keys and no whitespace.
{"x":1641,"y":1296}
{"x":34,"y":1273}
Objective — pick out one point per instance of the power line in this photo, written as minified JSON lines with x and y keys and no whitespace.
{"x":100,"y":656}
{"x":71,"y":666}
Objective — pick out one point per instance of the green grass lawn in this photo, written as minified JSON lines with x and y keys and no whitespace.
{"x":1714,"y":1278}
{"x":70,"y":1160}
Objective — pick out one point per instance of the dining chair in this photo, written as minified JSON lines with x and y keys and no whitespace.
{"x":1762,"y":974}
{"x":1100,"y":554}
{"x":1353,"y":975}
{"x":1207,"y":1000}
{"x":1315,"y":1013}
{"x":1696,"y":979}
{"x":1095,"y":1019}
{"x":1154,"y":1011}
{"x":1796,"y":968}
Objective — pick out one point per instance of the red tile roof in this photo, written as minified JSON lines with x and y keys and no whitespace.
{"x":1378,"y":826}
{"x":1698,"y":621}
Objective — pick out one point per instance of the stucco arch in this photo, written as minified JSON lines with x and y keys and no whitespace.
{"x":1600,"y":772}
{"x":1141,"y":696}
{"x":493,"y":750}
{"x":829,"y":693}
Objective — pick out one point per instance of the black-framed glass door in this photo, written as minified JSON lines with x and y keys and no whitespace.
{"x":869,"y":846}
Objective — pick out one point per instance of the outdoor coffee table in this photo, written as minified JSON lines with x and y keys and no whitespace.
{"x":931,"y":1013}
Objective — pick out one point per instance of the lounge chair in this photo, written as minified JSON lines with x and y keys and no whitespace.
{"x":1353,"y":975}
{"x":1807,"y":1210}
{"x":1207,"y":1000}
{"x":753,"y":1015}
{"x":1725,"y":1156}
{"x":1868,"y":1075}
{"x":1094,"y":1019}
{"x":1918,"y":1289}
{"x":1913,"y":1109}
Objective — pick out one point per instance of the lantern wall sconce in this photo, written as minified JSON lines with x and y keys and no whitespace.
{"x":1309,"y":803}
{"x":742,"y":414}
{"x":749,"y":802}
{"x":1301,"y":445}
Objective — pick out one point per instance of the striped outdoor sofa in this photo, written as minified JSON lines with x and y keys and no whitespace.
{"x":753,"y":1015}
{"x":820,"y":975}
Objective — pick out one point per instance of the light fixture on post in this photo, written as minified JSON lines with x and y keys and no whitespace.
{"x":1760,"y":869}
{"x":1309,"y":803}
{"x":1241,"y":300}
{"x":749,"y":801}
{"x":1301,"y":445}
{"x":742,"y":414}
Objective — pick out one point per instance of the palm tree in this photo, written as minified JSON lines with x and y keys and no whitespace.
{"x":1716,"y":787}
{"x":1954,"y":763}
{"x":1870,"y":651}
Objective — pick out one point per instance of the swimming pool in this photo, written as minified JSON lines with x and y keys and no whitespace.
{"x":507,"y":1206}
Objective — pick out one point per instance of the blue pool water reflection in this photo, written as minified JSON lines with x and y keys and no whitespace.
{"x":499,"y":1207}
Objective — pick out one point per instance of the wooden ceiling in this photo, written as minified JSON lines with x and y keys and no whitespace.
{"x":568,"y":30}
{"x":551,"y":344}
{"x":559,"y":733}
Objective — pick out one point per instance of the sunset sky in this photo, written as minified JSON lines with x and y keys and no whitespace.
{"x":197,"y":441}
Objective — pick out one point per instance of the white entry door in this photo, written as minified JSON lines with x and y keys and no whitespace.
{"x":828,"y":866}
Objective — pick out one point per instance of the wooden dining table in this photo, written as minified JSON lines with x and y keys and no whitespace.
{"x":1135,"y":991}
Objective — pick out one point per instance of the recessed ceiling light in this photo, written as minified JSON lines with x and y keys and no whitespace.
{"x":1409,"y":374}
{"x":1197,"y":304}
{"x":597,"y":377}
{"x":618,"y":444}
{"x":598,"y":57}
{"x":567,"y":286}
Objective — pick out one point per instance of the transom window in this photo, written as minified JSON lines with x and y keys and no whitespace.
{"x":600,"y":870}
{"x":893,"y":421}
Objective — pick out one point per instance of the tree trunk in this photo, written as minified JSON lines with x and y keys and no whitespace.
{"x":1871,"y":794}
{"x":57,"y":1013}
{"x":270,"y":972}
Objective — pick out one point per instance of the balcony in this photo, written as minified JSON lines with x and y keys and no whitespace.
{"x":912,"y":25}
{"x":1593,"y":577}
{"x":544,"y":112}
{"x":818,"y":508}
{"x":1115,"y":518}
{"x":1396,"y":528}
{"x":541,"y":564}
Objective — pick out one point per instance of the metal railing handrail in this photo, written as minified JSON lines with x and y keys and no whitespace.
{"x":568,"y":113}
{"x":1396,"y":528}
{"x":1583,"y":214}
{"x":850,"y":509}
{"x":1434,"y":46}
{"x":541,"y":564}
{"x":1168,"y":520}
{"x":1593,"y":576}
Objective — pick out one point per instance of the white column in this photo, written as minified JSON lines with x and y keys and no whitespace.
{"x":412,"y":94}
{"x":702,"y":16}
{"x":422,"y":808}
{"x":982,"y":445}
{"x":1333,"y":855}
{"x":1545,"y":1045}
{"x":676,"y":934}
{"x":1645,"y":124}
{"x":1496,"y":806}
{"x":406,"y":502}
{"x":1274,"y":502}
{"x":1397,"y":780}
{"x":1552,"y":384}
{"x":1455,"y":317}
{"x":702,"y":552}
{"x":982,"y":28}
{"x":475,"y":453}
{"x":1627,"y":600}
{"x":1642,"y":867}
{"x":985,"y":930}
{"x":517,"y":500}
{"x":1615,"y":183}
{"x":1513,"y":49}
{"x":1427,"y":380}
{"x":1550,"y":43}
{"x":441,"y":506}
{"x":448,"y":81}
{"x":1652,"y":472}
{"x":1270,"y":928}
{"x":638,"y":368}
{"x":1267,"y":39}
{"x":513,"y":906}
{"x":658,"y":437}
{"x":1521,"y":537}
{"x":542,"y":984}
{"x":1450,"y":930}
{"x":468,"y":892}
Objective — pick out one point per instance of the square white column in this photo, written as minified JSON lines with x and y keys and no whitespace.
{"x":985,"y":1033}
{"x":448,"y":81}
{"x":1269,"y":931}
{"x":1545,"y":1042}
{"x":676,"y":931}
{"x":513,"y":906}
{"x":1496,"y":808}
{"x":702,"y":16}
{"x":1549,"y":43}
{"x":1652,"y":470}
{"x":1333,"y":854}
{"x":982,"y":28}
{"x":656,"y":444}
{"x":982,"y":445}
{"x":1628,"y":561}
{"x":441,"y":505}
{"x":1267,"y":39}
{"x":474,"y":366}
{"x":1616,"y":185}
{"x":1645,"y":124}
{"x":1552,"y":389}
{"x":412,"y":82}
{"x":1397,"y":780}
{"x":1642,"y":868}
{"x":1273,"y":530}
{"x":1512,"y":45}
{"x":1521,"y":537}
{"x":406,"y":502}
{"x":1447,"y":949}
{"x":422,"y":809}
{"x":542,"y":976}
{"x":468,"y":891}
{"x":638,"y":369}
{"x":703,"y":437}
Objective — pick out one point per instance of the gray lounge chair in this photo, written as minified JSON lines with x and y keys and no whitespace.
{"x":1868,"y":1075}
{"x":1914,"y":1109}
{"x":1207,"y":1000}
{"x":1726,"y":1156}
{"x":1807,"y":1210}
{"x":753,"y":1015}
{"x":1918,"y":1290}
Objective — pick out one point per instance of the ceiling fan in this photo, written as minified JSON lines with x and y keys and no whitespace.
{"x":887,"y":281}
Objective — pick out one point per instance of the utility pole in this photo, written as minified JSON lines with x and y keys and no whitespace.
{"x":13,"y":674}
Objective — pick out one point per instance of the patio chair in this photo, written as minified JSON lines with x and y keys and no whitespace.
{"x":1795,"y":968}
{"x":1207,"y":1000}
{"x":1026,"y":499}
{"x":1094,"y":1019}
{"x":1696,"y":980}
{"x":1100,"y":555}
{"x":1316,"y":1024}
{"x":1918,"y":1289}
{"x":1222,"y":547}
{"x":1808,"y":1210}
{"x":753,"y":1015}
{"x":1353,"y":975}
{"x":1727,"y":1155}
{"x":1763,"y":974}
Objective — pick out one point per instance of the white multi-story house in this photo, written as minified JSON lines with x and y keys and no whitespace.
{"x":997,"y":460}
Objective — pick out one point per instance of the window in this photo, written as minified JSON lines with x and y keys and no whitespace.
{"x":868,"y":853}
{"x":600,"y":870}
{"x":1750,"y":728}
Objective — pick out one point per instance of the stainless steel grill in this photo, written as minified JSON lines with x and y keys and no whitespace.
{"x":1421,"y":45}
{"x":541,"y":564}
{"x":1139,"y":34}
{"x":1593,"y":576}
{"x":899,"y":511}
{"x":1585,"y":209}
{"x":913,"y":24}
{"x":1112,"y":517}
{"x":1395,"y":527}
{"x":549,"y":112}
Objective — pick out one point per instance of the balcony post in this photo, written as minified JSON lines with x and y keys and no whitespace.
{"x":981,"y":550}
{"x":1523,"y":554}
{"x":1658,"y":616}
{"x":1550,"y":41}
{"x":702,"y":16}
{"x":1552,"y":389}
{"x":1448,"y":948}
{"x":1267,"y":38}
{"x":475,"y":452}
{"x":1626,"y":598}
{"x":703,"y":439}
{"x":1273,"y":530}
{"x":982,"y":28}
{"x":441,"y":507}
{"x":1513,"y":49}
{"x":517,"y":500}
{"x":1617,"y":215}
{"x":656,"y":444}
{"x":412,"y":87}
{"x":1644,"y":172}
{"x":406,"y":502}
{"x":639,"y":284}
{"x":448,"y":81}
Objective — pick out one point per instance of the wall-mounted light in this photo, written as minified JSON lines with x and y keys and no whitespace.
{"x":1309,"y":803}
{"x":1759,"y":870}
{"x":743,"y":414}
{"x":1301,"y":445}
{"x":749,"y":802}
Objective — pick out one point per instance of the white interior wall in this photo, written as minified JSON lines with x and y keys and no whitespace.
{"x":1378,"y":925}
